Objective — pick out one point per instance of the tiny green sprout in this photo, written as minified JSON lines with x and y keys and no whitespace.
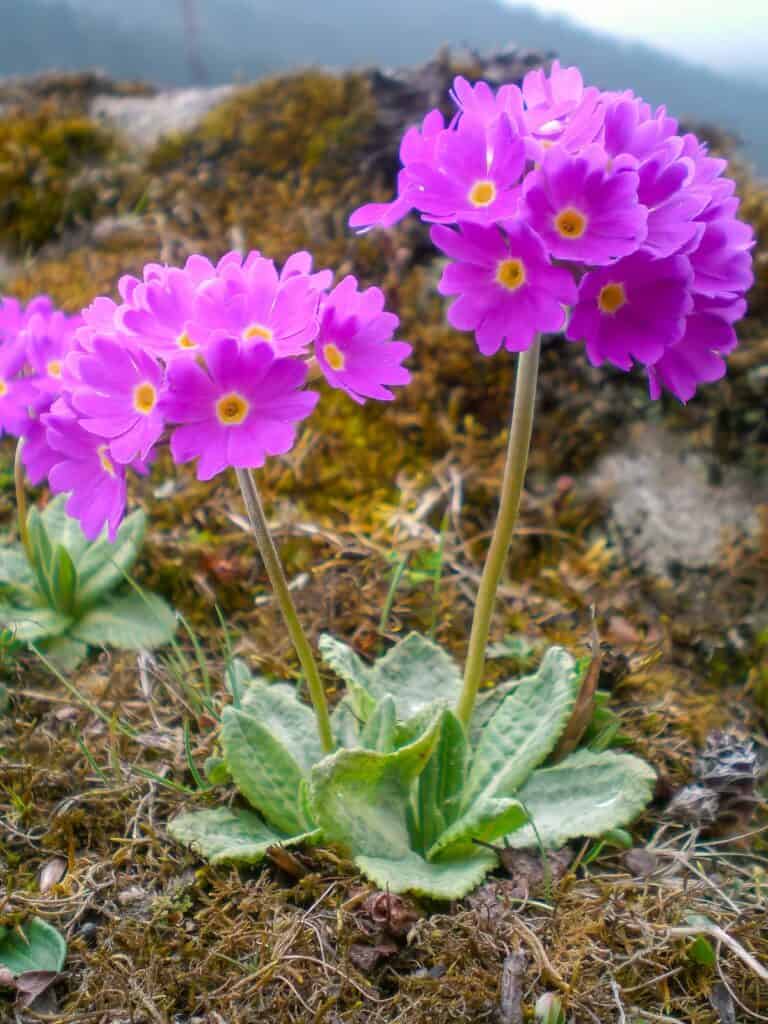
{"x":549,"y":1009}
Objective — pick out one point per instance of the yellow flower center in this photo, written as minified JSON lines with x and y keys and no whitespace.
{"x":258,"y":331}
{"x":231,"y":409}
{"x":54,"y":368}
{"x":510,"y":274}
{"x":612,"y":297}
{"x":3,"y":388}
{"x":144,"y":398}
{"x":334,"y":356}
{"x":184,"y":341}
{"x":104,"y":459}
{"x":482,"y":193}
{"x":570,"y":223}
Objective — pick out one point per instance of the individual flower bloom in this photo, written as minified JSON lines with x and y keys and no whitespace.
{"x":97,"y":321}
{"x":632,"y":129}
{"x":117,"y":397}
{"x":634,"y":309}
{"x":583,"y":211}
{"x":299,"y":264}
{"x":85,"y":468}
{"x":241,"y":407}
{"x":48,"y":340}
{"x":481,"y":102}
{"x":17,"y":394}
{"x":252,"y":303}
{"x":417,"y":147}
{"x":673,"y":205}
{"x":354,"y":346}
{"x":552,"y":95}
{"x":158,"y":309}
{"x":11,"y":320}
{"x":722,"y":261}
{"x":559,"y":110}
{"x":37,"y":455}
{"x":508,"y":290}
{"x":696,"y":358}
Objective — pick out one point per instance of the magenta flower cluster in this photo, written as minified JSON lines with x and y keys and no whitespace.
{"x":564,"y":208}
{"x":212,"y":358}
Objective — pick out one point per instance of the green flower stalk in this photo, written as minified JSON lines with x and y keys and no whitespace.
{"x":279,"y":583}
{"x":518,"y":447}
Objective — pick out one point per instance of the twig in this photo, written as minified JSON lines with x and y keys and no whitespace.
{"x":511,"y":999}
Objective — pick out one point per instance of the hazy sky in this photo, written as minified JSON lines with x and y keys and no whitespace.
{"x":721,"y":33}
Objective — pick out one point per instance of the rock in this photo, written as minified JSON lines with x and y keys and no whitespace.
{"x":669,"y":514}
{"x":143,"y":120}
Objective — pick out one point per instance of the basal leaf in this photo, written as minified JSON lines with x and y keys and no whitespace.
{"x":444,"y":880}
{"x":345,"y":723}
{"x":415,"y":673}
{"x":440,"y":785}
{"x":102,"y":566}
{"x":40,"y":948}
{"x":586,"y":794}
{"x":32,"y":624}
{"x":292,"y":722}
{"x":379,"y":732}
{"x":361,"y":797}
{"x":15,"y":572}
{"x":230,"y":835}
{"x":488,"y":819}
{"x":63,"y":580}
{"x":41,"y":554}
{"x":264,"y":771}
{"x":344,"y":661}
{"x":133,"y":620}
{"x":65,"y":653}
{"x":62,"y":528}
{"x":524,"y":729}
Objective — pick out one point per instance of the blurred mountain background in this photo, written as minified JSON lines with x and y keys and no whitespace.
{"x":185,"y":42}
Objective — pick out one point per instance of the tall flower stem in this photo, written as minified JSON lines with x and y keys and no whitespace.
{"x":511,"y":489}
{"x":279,"y":583}
{"x":21,"y":500}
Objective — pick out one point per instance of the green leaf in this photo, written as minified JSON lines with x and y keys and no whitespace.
{"x":379,"y":732}
{"x":292,"y":722}
{"x":15,"y":572}
{"x":586,"y":794}
{"x":131,"y":620}
{"x":440,"y":785}
{"x":415,"y":672}
{"x":41,"y":554}
{"x":444,"y":880}
{"x":31,"y":624}
{"x":63,"y":580}
{"x":702,"y":952}
{"x":62,"y":528}
{"x":103,"y":566}
{"x":230,"y":835}
{"x":345,"y":723}
{"x":40,"y":948}
{"x":487,"y":820}
{"x":361,"y":796}
{"x":65,"y":653}
{"x":350,"y":667}
{"x":216,"y":771}
{"x":524,"y":729}
{"x":267,"y":774}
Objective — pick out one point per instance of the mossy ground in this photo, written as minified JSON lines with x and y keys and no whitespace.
{"x":157,"y":937}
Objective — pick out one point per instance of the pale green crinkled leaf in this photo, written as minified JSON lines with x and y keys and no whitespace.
{"x":41,"y":554}
{"x":344,"y":661}
{"x":345,"y":724}
{"x":65,"y":653}
{"x":487,"y":820}
{"x":416,"y":673}
{"x":379,"y":731}
{"x":133,"y":620}
{"x":103,"y":566}
{"x":438,"y":791}
{"x":525,"y":728}
{"x":264,"y":771}
{"x":230,"y":835}
{"x":14,"y":569}
{"x":63,"y":579}
{"x":445,"y":880}
{"x":42,"y":948}
{"x":32,"y":624}
{"x":64,"y":529}
{"x":280,"y":711}
{"x":585,"y":795}
{"x":361,"y":797}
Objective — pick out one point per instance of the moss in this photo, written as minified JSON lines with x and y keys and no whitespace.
{"x":44,"y":183}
